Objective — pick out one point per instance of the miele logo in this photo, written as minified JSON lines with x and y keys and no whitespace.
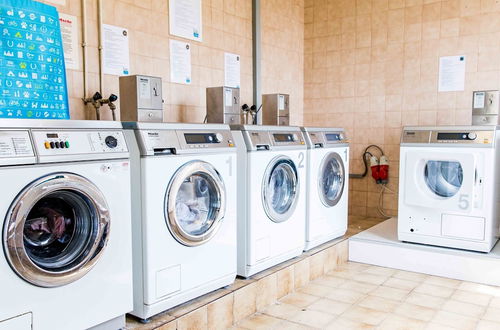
{"x":153,"y":134}
{"x":410,"y":133}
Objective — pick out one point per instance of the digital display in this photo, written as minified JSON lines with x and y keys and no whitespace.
{"x":195,"y":138}
{"x":283,"y":137}
{"x":452,"y":136}
{"x":52,"y":136}
{"x":332,"y":137}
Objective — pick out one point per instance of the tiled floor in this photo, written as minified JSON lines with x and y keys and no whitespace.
{"x":358,"y":296}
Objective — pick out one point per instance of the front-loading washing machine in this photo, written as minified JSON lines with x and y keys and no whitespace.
{"x":327,"y":185}
{"x":449,"y":186}
{"x":66,"y":226}
{"x":271,"y":195}
{"x":184,"y":212}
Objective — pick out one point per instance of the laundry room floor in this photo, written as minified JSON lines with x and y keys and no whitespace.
{"x":360,"y":296}
{"x":321,"y":290}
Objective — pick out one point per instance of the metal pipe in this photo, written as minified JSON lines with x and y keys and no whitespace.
{"x":84,"y":49}
{"x":257,"y":47}
{"x":100,"y":46}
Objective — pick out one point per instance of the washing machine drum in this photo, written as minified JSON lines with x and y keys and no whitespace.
{"x":280,"y":189}
{"x":443,"y":178}
{"x":331,"y":179}
{"x":56,"y":230}
{"x":195,"y":203}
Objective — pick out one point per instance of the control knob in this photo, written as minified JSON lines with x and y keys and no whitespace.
{"x":472,"y":136}
{"x":219,"y":137}
{"x":111,"y":141}
{"x":295,"y":137}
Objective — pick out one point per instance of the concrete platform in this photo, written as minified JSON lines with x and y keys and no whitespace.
{"x":379,"y":246}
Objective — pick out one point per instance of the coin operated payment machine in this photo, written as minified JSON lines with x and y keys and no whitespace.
{"x":141,"y":99}
{"x":223,"y":105}
{"x":276,"y":109}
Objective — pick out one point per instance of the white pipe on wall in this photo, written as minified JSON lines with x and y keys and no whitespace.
{"x":100,"y":46}
{"x":84,"y":48}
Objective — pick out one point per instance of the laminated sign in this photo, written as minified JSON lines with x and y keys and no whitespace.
{"x":32,"y":72}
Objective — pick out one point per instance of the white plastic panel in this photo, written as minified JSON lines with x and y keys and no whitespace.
{"x":168,"y":281}
{"x":21,"y":322}
{"x":463,"y":227}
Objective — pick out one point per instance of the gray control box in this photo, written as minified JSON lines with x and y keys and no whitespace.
{"x":276,"y":109}
{"x":223,"y":105}
{"x":141,"y":99}
{"x":486,"y":108}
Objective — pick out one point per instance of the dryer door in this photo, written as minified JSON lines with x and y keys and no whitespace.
{"x":280,"y":189}
{"x":447,"y":180}
{"x":56,"y":229}
{"x":195,"y":203}
{"x":331,"y":179}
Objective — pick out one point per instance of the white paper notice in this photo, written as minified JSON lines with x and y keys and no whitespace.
{"x":452,"y":73}
{"x":69,"y":32}
{"x":479,"y":99}
{"x":185,"y":19}
{"x":58,"y":2}
{"x":180,"y":62}
{"x":231,"y":70}
{"x":116,"y":50}
{"x":281,"y":102}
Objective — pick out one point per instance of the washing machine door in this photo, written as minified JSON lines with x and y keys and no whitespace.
{"x":280,"y":189}
{"x":331,"y":179}
{"x":195,"y":203}
{"x":56,"y":229}
{"x":443,"y":178}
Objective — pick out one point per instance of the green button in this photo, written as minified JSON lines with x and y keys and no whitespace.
{"x":66,"y":144}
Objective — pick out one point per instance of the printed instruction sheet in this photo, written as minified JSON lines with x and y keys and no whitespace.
{"x":180,"y":62}
{"x":451,"y":73}
{"x":116,"y":57}
{"x":231,"y":70}
{"x":69,"y":33}
{"x":185,"y":19}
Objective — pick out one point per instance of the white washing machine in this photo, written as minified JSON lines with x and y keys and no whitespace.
{"x":327,"y":185}
{"x":67,"y":250}
{"x":271,"y":195}
{"x":184,"y":212}
{"x":449,"y":186}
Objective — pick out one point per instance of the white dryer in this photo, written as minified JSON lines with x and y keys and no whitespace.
{"x":449,"y":186}
{"x":327,"y":185}
{"x":184,"y":212}
{"x":271,"y":195}
{"x":65,"y":215}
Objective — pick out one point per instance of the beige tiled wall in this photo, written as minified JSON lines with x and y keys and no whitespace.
{"x":283,"y":52}
{"x":371,"y":66}
{"x":227,"y":27}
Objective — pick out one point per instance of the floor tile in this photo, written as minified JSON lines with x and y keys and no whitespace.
{"x":390,"y":293}
{"x":417,"y":277}
{"x":463,"y":308}
{"x":358,"y":286}
{"x":415,"y":312}
{"x":425,"y":300}
{"x":365,"y":315}
{"x":316,"y":290}
{"x":480,"y":288}
{"x":398,"y":283}
{"x":343,"y":323}
{"x":396,"y":322}
{"x":487,"y":325}
{"x":298,"y":299}
{"x":313,"y":318}
{"x":434,"y":290}
{"x":330,"y":281}
{"x":454,"y":320}
{"x":281,"y":310}
{"x":260,"y":321}
{"x":472,"y":297}
{"x":376,"y":270}
{"x":370,"y":278}
{"x":442,"y":281}
{"x":379,"y":303}
{"x":346,"y":296}
{"x":492,"y":314}
{"x":329,"y":306}
{"x":293,"y":326}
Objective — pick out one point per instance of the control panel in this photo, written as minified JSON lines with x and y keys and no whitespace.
{"x":63,"y":142}
{"x":448,"y":136}
{"x":320,"y":139}
{"x":204,"y":139}
{"x":287,"y":138}
{"x":15,"y":144}
{"x":265,"y":140}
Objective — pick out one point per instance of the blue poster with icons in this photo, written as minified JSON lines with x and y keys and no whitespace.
{"x":32,"y":71}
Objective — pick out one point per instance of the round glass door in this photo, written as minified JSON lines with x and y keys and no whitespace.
{"x":331,"y":179}
{"x":444,"y":178}
{"x":195,"y":203}
{"x":280,"y":189}
{"x":56,"y":230}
